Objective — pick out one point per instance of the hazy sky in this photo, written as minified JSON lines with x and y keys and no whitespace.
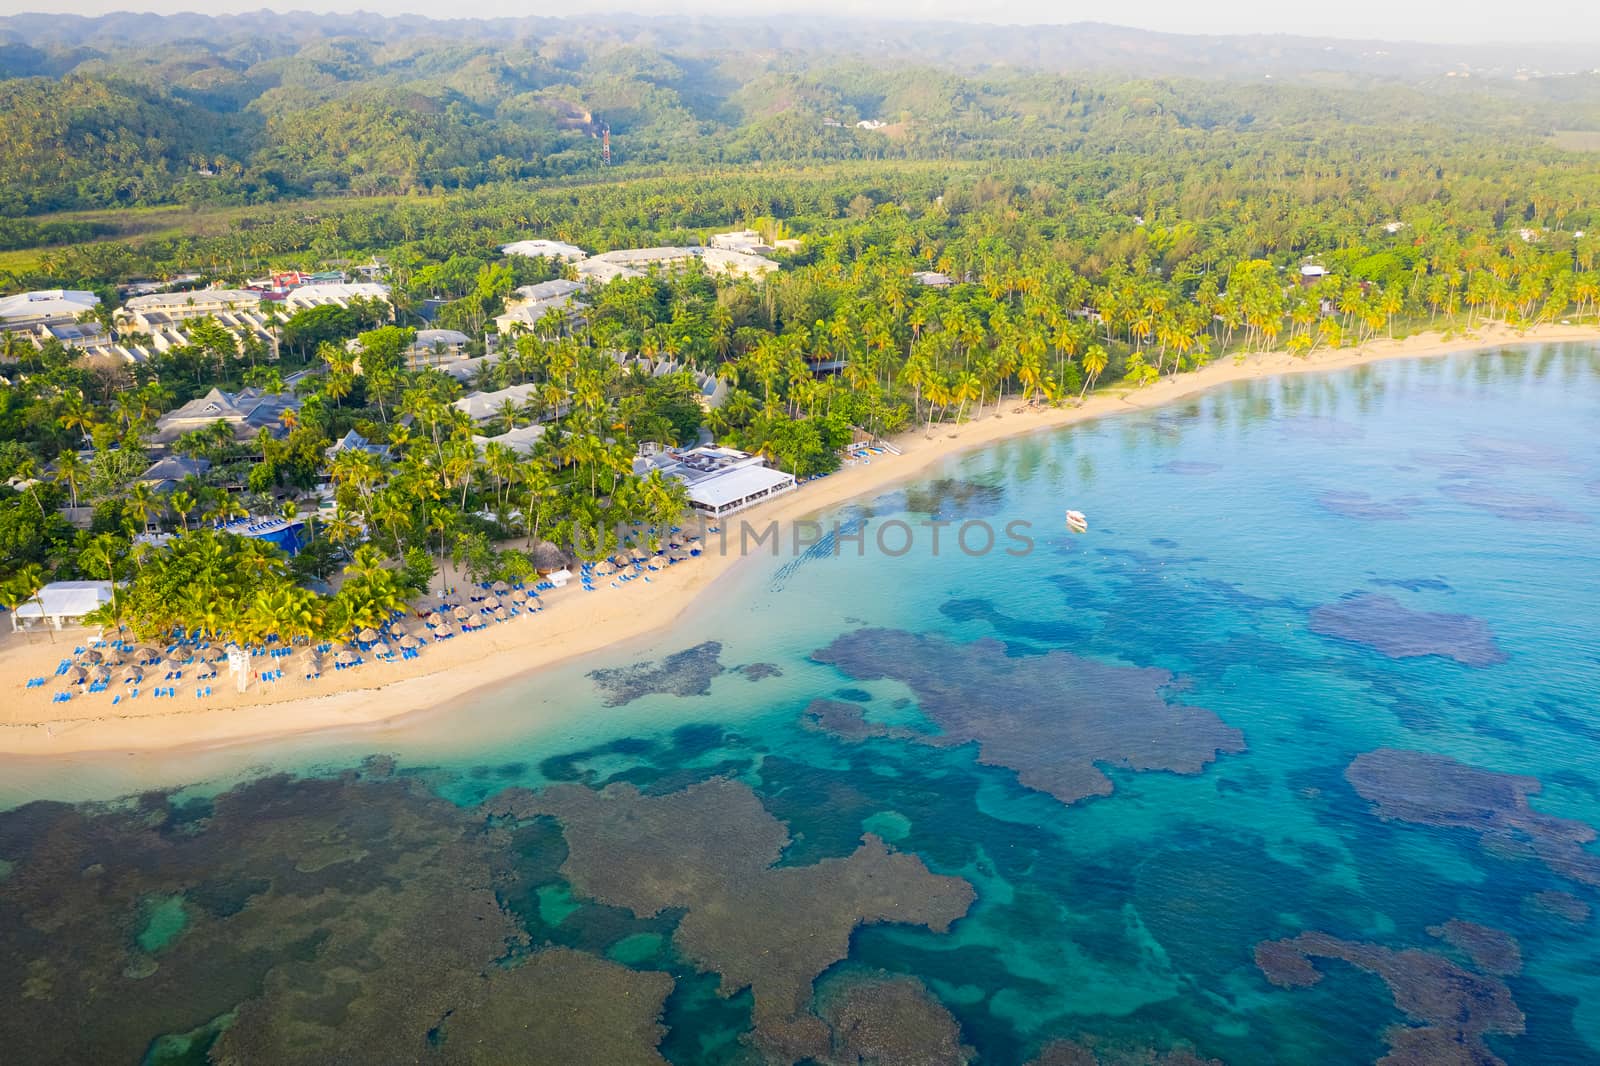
{"x":1428,"y":20}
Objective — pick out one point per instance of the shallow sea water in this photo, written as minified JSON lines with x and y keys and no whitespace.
{"x":1321,"y":677}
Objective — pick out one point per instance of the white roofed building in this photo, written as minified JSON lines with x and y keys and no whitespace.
{"x":29,"y":310}
{"x":338,"y":293}
{"x":720,"y":481}
{"x":636,"y":262}
{"x":528,"y":305}
{"x":542,"y":249}
{"x":520,"y":440}
{"x":483,"y":407}
{"x":62,"y":603}
{"x":87,"y":337}
{"x":741,"y":240}
{"x":160,"y":309}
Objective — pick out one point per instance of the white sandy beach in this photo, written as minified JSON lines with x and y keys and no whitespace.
{"x":576,"y":622}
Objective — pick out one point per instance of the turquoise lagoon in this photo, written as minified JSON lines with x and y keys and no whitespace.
{"x":1290,"y":759}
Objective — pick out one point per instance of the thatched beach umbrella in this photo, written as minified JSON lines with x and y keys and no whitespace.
{"x":175,"y":663}
{"x":518,"y":596}
{"x":436,"y":619}
{"x":444,"y":631}
{"x":131,"y":675}
{"x":408,"y":641}
{"x":475,"y":620}
{"x":367,"y":636}
{"x":76,"y":675}
{"x":347,"y":658}
{"x":91,"y":657}
{"x":146,"y":654}
{"x":100,"y":673}
{"x":462,"y":614}
{"x":380,"y":649}
{"x":501,"y":587}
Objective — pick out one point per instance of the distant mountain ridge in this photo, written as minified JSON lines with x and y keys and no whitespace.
{"x":1083,"y":46}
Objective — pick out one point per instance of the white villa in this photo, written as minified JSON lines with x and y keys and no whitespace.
{"x":529,"y":304}
{"x":721,"y":481}
{"x":29,"y":310}
{"x":481,"y":407}
{"x":520,"y":440}
{"x":636,"y":262}
{"x":340,"y":293}
{"x":751,"y":242}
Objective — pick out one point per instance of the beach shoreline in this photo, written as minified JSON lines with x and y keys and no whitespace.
{"x":576,"y":623}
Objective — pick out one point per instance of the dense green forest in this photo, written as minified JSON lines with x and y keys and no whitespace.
{"x":130,"y":111}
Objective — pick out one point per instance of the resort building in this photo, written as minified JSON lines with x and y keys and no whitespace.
{"x":933,"y":279}
{"x":158,"y":310}
{"x":355,"y":442}
{"x":32,"y":310}
{"x":62,"y":603}
{"x":483,"y":407}
{"x":89,"y":338}
{"x":167,"y":474}
{"x":520,"y":440}
{"x":159,"y":322}
{"x":436,"y":347}
{"x":29,"y":310}
{"x":247,"y":411}
{"x":528,"y":306}
{"x":721,"y":481}
{"x":466,"y":370}
{"x":741,"y":240}
{"x":541,"y":249}
{"x":337,"y":293}
{"x":711,"y":391}
{"x":637,"y":262}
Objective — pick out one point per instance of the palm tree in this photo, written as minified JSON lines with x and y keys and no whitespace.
{"x":139,"y":505}
{"x":24,"y":586}
{"x":1094,"y":364}
{"x":71,"y":471}
{"x":183,"y":505}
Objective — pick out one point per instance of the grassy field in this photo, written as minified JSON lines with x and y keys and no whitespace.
{"x":171,"y":220}
{"x":197,"y":220}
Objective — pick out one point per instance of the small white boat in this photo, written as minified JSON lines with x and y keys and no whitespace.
{"x":1076,"y":522}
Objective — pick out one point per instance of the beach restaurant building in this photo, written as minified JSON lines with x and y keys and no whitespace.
{"x":63,"y":603}
{"x":721,"y":481}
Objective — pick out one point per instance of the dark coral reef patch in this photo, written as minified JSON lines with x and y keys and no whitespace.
{"x":710,"y":850}
{"x":685,"y":673}
{"x":326,"y":920}
{"x":1428,"y":789}
{"x":1053,"y":719}
{"x":1457,"y":1007}
{"x":1383,"y":623}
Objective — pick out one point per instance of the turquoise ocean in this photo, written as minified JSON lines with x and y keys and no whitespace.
{"x":1293,"y":758}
